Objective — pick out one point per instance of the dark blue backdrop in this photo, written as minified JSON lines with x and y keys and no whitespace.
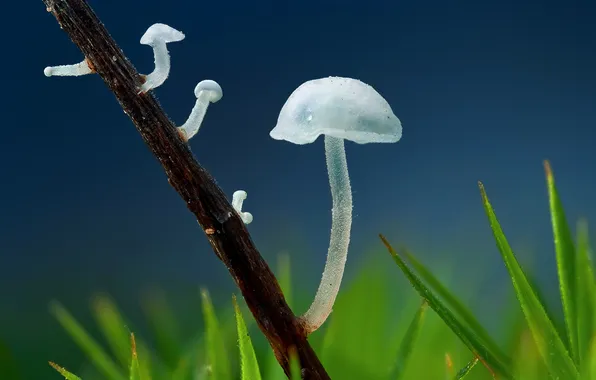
{"x":485,"y":91}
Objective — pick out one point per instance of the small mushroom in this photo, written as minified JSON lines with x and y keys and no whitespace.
{"x":341,"y":109}
{"x":157,"y":36}
{"x":207,"y":91}
{"x":237,"y":199}
{"x":78,"y":69}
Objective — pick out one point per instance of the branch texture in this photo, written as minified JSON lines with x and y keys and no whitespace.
{"x":223,"y":227}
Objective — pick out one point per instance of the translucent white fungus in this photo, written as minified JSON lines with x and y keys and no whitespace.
{"x":158,"y":33}
{"x":237,"y":200}
{"x":81,"y":68}
{"x":207,"y":91}
{"x":157,"y":36}
{"x":339,"y":108}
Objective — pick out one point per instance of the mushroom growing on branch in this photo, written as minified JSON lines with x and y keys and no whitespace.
{"x":78,"y":69}
{"x":237,"y":200}
{"x":157,"y":36}
{"x":341,"y":109}
{"x":207,"y":91}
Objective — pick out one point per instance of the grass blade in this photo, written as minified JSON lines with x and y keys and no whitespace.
{"x":113,"y":327}
{"x":589,"y":370}
{"x":454,"y":303}
{"x":528,"y":363}
{"x":164,"y":327}
{"x":135,"y":371}
{"x":216,"y":351}
{"x":368,"y":301}
{"x":466,"y":370}
{"x":464,"y":333}
{"x":273,"y":369}
{"x":98,"y":356}
{"x":551,"y":346}
{"x":407,"y":343}
{"x":67,"y":375}
{"x":117,"y":334}
{"x":295,"y":370}
{"x":285,"y":277}
{"x":586,"y":291}
{"x":182,"y":370}
{"x":249,"y":367}
{"x":566,"y":263}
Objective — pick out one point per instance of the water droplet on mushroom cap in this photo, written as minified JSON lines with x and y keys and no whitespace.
{"x":340,"y":107}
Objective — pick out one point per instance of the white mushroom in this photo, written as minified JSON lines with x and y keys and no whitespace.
{"x":157,"y":36}
{"x":237,"y":199}
{"x":81,"y":68}
{"x":339,"y":108}
{"x":207,"y":91}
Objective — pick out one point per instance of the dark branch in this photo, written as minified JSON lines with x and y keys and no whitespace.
{"x":224,"y":229}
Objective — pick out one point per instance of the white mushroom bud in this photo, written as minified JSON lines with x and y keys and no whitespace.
{"x":78,"y":69}
{"x":237,"y":199}
{"x":207,"y":91}
{"x":157,"y":36}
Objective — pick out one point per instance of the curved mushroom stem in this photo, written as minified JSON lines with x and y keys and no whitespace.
{"x":195,"y":119}
{"x":341,"y":193}
{"x":237,"y":200}
{"x":162,"y":67}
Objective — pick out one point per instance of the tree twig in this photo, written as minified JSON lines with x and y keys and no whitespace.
{"x":223,"y":227}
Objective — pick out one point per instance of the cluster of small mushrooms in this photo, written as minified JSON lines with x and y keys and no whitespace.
{"x":339,"y":108}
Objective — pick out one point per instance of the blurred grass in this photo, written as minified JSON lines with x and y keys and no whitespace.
{"x":8,"y":366}
{"x":378,"y":330}
{"x":408,"y":342}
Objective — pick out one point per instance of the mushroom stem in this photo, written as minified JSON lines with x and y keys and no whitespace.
{"x":162,"y":67}
{"x":81,"y":68}
{"x":195,"y":119}
{"x":237,"y":200}
{"x":341,"y":193}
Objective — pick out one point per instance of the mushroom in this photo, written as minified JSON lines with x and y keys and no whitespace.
{"x":341,"y":109}
{"x":237,"y":199}
{"x":207,"y":91}
{"x":81,"y":68}
{"x":157,"y":36}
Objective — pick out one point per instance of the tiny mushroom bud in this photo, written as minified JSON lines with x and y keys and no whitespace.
{"x":237,"y":199}
{"x":341,"y":109}
{"x":207,"y":91}
{"x":157,"y":36}
{"x":81,"y":68}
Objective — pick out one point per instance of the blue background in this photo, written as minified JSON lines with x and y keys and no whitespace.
{"x":485,"y":91}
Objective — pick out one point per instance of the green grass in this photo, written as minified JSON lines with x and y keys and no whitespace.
{"x":379,"y":329}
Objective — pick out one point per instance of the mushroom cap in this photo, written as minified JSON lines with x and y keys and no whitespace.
{"x":211,"y":87}
{"x":339,"y":107}
{"x":161,"y":32}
